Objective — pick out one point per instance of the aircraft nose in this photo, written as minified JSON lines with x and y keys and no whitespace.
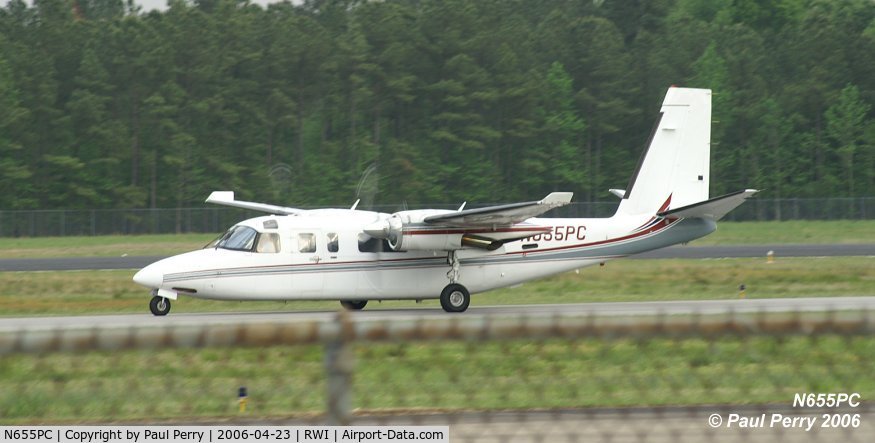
{"x":149,"y":277}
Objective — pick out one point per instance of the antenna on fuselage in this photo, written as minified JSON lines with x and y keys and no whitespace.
{"x":355,"y":204}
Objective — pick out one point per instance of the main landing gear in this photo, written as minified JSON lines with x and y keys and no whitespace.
{"x":353,"y":305}
{"x":159,"y":305}
{"x":455,"y":298}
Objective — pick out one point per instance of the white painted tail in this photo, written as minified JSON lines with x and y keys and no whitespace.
{"x":676,"y":162}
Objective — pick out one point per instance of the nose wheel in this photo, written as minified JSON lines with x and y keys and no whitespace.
{"x":455,"y":298}
{"x":353,"y":305}
{"x":159,"y":306}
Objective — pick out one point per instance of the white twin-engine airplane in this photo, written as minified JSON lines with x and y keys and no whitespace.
{"x":356,"y":256}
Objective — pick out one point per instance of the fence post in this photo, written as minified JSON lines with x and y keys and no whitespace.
{"x":339,"y":362}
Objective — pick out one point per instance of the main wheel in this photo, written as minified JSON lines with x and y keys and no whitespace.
{"x":159,"y":305}
{"x":354,"y":305}
{"x":455,"y":298}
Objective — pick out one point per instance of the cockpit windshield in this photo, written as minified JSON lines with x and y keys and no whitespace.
{"x":238,"y":238}
{"x":244,"y":238}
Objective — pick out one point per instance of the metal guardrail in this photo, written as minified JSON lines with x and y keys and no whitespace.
{"x":340,"y":336}
{"x":41,"y":223}
{"x":469,"y":327}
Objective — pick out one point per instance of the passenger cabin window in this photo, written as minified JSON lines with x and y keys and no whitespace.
{"x":332,"y":242}
{"x":306,"y":243}
{"x":369,"y":244}
{"x":268,"y":243}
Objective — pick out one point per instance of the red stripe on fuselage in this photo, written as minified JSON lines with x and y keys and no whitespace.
{"x":534,"y":230}
{"x":658,"y":227}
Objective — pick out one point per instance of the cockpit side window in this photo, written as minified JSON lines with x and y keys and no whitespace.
{"x":306,"y":242}
{"x":268,"y":243}
{"x":333,"y":244}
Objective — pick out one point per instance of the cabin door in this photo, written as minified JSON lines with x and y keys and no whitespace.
{"x":309,"y":273}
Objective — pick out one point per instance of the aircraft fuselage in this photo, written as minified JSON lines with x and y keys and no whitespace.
{"x":325,"y":255}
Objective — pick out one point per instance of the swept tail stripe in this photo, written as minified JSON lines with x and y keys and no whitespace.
{"x":655,"y":219}
{"x":665,"y":205}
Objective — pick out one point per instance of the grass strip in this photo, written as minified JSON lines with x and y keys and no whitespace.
{"x":102,"y":246}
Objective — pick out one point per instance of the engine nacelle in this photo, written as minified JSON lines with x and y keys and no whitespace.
{"x":408,"y":232}
{"x":405,"y":231}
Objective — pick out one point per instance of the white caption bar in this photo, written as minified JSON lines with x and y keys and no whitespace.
{"x":221,"y":434}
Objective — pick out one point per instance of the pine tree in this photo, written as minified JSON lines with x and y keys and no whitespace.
{"x":845,"y":126}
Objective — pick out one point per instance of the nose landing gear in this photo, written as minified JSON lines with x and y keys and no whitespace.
{"x":159,"y":306}
{"x":353,"y":305}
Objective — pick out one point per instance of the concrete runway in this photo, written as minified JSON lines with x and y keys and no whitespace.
{"x":373,"y":312}
{"x":693,"y":252}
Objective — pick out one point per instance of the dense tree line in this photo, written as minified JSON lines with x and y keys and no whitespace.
{"x":103,"y":105}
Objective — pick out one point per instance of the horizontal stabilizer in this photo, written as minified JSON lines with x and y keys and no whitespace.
{"x":713,"y":209}
{"x":504,"y":215}
{"x":618,"y":192}
{"x":226,"y":198}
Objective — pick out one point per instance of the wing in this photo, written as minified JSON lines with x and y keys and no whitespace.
{"x":226,"y":198}
{"x":501,"y":215}
{"x":713,"y":209}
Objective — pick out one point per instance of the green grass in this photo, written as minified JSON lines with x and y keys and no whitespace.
{"x":101,"y":246}
{"x":789,"y":232}
{"x":728,"y":233}
{"x":89,"y":292}
{"x":520,"y":375}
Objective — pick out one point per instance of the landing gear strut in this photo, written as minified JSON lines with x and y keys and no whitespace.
{"x":453,"y":261}
{"x":455,"y":298}
{"x":159,"y":306}
{"x":353,"y":305}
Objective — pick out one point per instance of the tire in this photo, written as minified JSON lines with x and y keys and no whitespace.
{"x":353,"y":305}
{"x":159,"y":306}
{"x":455,"y":298}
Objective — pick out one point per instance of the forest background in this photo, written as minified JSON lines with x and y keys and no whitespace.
{"x":105,"y":106}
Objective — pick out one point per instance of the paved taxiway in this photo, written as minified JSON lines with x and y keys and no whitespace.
{"x":659,"y":424}
{"x":373,"y":312}
{"x":632,"y":424}
{"x":137,"y":262}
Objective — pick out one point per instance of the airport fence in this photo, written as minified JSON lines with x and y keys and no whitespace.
{"x":567,"y":376}
{"x":42,"y":223}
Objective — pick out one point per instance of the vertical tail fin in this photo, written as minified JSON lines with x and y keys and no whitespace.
{"x":674,"y":169}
